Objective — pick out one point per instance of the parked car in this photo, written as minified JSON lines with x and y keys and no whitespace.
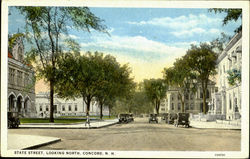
{"x":13,"y":120}
{"x":123,"y":118}
{"x":153,"y":118}
{"x":164,"y":116}
{"x":171,"y":118}
{"x":182,"y":119}
{"x":130,"y":117}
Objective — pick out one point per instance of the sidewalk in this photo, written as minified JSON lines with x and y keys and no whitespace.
{"x":213,"y":125}
{"x":93,"y":125}
{"x":22,"y":142}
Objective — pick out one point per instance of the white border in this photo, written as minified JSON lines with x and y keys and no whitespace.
{"x":139,"y":3}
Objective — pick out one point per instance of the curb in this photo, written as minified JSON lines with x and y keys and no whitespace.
{"x":42,"y":144}
{"x":192,"y":126}
{"x":94,"y":127}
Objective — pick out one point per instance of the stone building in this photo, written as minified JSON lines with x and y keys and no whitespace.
{"x":65,"y":107}
{"x":21,"y":90}
{"x":193,"y":102}
{"x":227,"y":101}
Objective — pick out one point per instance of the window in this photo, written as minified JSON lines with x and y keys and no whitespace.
{"x":11,"y":75}
{"x":162,"y":109}
{"x":19,"y":78}
{"x":191,"y":96}
{"x":186,"y":96}
{"x":179,"y":97}
{"x":75,"y":107}
{"x":63,"y":108}
{"x":172,"y":106}
{"x":179,"y":106}
{"x":69,"y":107}
{"x":41,"y":108}
{"x":191,"y":106}
{"x":172,"y":97}
{"x":26,"y":81}
{"x":186,"y":106}
{"x":47,"y":108}
{"x":55,"y":108}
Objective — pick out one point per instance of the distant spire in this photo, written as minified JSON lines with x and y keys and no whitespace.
{"x":18,"y":30}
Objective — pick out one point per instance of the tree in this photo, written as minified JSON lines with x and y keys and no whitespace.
{"x":181,"y":76}
{"x":234,"y":76}
{"x":155,"y":90}
{"x":219,"y":43}
{"x":115,"y":81}
{"x":45,"y":28}
{"x":202,"y":61}
{"x":92,"y":77}
{"x":231,"y":14}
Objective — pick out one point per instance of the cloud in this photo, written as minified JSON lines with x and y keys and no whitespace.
{"x":188,"y":33}
{"x":181,"y":22}
{"x":73,"y":36}
{"x":64,"y":36}
{"x":134,"y":46}
{"x":146,"y":57}
{"x":189,"y":25}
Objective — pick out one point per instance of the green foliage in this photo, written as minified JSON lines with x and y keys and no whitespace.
{"x":155,"y":90}
{"x":181,"y":77}
{"x":137,"y":103}
{"x":219,"y":43}
{"x":231,"y":14}
{"x":234,"y":76}
{"x":202,"y":61}
{"x":92,"y":76}
{"x":12,"y":39}
{"x":46,"y":27}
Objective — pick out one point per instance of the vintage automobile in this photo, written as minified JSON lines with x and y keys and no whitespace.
{"x":171,"y":118}
{"x":13,"y":120}
{"x":164,"y":116}
{"x":182,"y":119}
{"x":153,"y":118}
{"x":130,"y":117}
{"x":123,"y":118}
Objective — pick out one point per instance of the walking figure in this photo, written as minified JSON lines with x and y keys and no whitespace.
{"x":87,"y":121}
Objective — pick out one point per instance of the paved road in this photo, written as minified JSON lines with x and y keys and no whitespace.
{"x":140,"y":135}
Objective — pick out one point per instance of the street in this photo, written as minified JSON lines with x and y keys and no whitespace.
{"x":140,"y":135}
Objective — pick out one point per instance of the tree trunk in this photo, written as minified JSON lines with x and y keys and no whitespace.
{"x":109,"y":111}
{"x":204,"y":99}
{"x":157,"y":104}
{"x":101,"y":115}
{"x":182,"y":97}
{"x":51,"y":119}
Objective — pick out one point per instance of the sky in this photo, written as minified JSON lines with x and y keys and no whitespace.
{"x":149,"y":39}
